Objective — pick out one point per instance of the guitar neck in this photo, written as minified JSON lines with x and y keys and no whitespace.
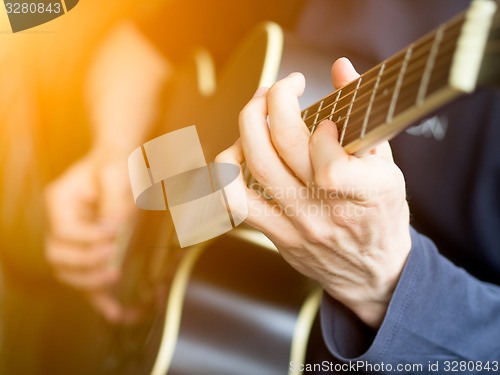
{"x":430,"y":72}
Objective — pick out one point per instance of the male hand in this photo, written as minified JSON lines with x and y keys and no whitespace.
{"x":86,"y":207}
{"x":339,"y":219}
{"x":91,"y":201}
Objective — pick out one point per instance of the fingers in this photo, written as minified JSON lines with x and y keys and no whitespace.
{"x":82,"y":267}
{"x":70,"y":203}
{"x":72,"y":256}
{"x":107,"y":305}
{"x":83,"y":232}
{"x":260,"y":154}
{"x":289,"y":133}
{"x":384,"y":151}
{"x":86,"y":207}
{"x":324,"y":149}
{"x":334,"y":169}
{"x":234,"y":191}
{"x":264,"y":215}
{"x":343,"y":72}
{"x":352,"y":176}
{"x":89,"y":280}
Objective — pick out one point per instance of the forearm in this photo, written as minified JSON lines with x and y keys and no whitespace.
{"x":123,"y":88}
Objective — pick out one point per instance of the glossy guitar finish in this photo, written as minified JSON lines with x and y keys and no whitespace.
{"x":243,"y":310}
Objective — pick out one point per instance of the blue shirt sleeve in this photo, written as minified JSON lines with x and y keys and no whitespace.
{"x":438,"y":313}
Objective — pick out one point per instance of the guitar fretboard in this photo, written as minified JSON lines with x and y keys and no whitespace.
{"x":420,"y":78}
{"x":405,"y":80}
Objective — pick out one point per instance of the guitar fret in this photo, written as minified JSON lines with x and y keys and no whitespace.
{"x":399,"y":82}
{"x":334,"y":106}
{"x":381,"y":98}
{"x":385,"y":92}
{"x":407,"y":99}
{"x":315,"y":122}
{"x":342,"y":105}
{"x":411,"y":82}
{"x":429,"y":66}
{"x":372,"y":98}
{"x":309,"y":114}
{"x":349,"y":110}
{"x":386,"y":78}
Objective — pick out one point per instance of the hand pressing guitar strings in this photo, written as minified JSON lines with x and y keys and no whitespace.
{"x":351,"y":231}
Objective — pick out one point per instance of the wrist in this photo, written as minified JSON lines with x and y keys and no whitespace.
{"x":370,"y":298}
{"x":112,"y":149}
{"x":109,"y":154}
{"x":370,"y":305}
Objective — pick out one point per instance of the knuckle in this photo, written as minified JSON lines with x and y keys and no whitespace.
{"x":259,"y":171}
{"x":246,"y":114}
{"x":288,"y":143}
{"x":221,"y":157}
{"x":279,"y":87}
{"x":315,"y":234}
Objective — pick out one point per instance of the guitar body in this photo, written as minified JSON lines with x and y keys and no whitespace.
{"x":244,"y":309}
{"x":230,"y":305}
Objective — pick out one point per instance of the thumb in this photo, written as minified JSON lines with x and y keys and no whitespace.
{"x":343,"y":72}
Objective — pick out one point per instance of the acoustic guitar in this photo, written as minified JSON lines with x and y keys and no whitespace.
{"x":232,"y":305}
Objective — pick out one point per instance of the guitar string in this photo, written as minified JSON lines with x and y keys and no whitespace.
{"x":353,"y":132}
{"x":250,"y":179}
{"x":394,"y":69}
{"x":421,"y":43}
{"x":408,"y":82}
{"x":445,"y":42}
{"x":387,"y":82}
{"x":440,"y":68}
{"x":417,"y":46}
{"x":346,"y":96}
